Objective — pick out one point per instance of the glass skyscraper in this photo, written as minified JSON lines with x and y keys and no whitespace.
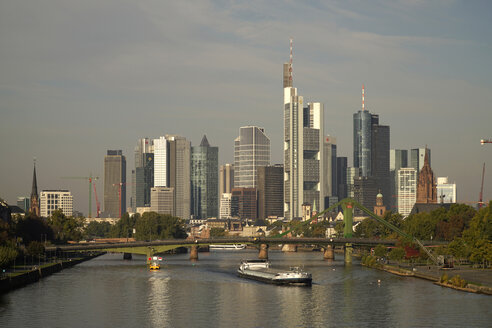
{"x":251,"y":150}
{"x":204,"y":180}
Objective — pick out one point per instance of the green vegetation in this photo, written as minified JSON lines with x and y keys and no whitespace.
{"x":65,"y":228}
{"x":97,"y":230}
{"x":159,"y":226}
{"x":217,"y":232}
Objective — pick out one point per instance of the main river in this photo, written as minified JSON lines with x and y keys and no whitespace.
{"x":110,"y":292}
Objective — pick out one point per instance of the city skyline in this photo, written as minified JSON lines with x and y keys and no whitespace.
{"x":63,"y":80}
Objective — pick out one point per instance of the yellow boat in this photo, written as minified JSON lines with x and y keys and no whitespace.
{"x":155,"y":263}
{"x":154,"y":266}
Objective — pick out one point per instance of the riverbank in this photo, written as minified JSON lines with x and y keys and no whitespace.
{"x":15,"y":280}
{"x":477,"y":280}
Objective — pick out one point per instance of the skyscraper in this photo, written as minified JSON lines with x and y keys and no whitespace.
{"x":114,"y":181}
{"x":143,"y":179}
{"x":161,"y":162}
{"x":342,"y":177}
{"x":244,"y":203}
{"x":179,"y":174}
{"x":303,"y":152}
{"x":398,"y":160}
{"x":270,"y":191}
{"x":407,"y":190}
{"x":417,"y":158}
{"x":371,"y":151}
{"x":251,"y":150}
{"x":446,"y":192}
{"x":330,"y":168}
{"x":226,"y":178}
{"x":204,"y":180}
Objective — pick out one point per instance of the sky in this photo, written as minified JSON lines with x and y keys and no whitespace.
{"x":80,"y":77}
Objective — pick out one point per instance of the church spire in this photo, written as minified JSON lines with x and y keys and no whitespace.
{"x":34,"y":207}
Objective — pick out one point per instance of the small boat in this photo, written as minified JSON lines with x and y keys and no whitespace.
{"x":260,"y":270}
{"x":227,"y":247}
{"x":155,"y":263}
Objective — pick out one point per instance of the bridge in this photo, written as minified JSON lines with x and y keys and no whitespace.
{"x":154,"y":247}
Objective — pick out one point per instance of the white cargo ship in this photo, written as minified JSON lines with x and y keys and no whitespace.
{"x":260,"y":270}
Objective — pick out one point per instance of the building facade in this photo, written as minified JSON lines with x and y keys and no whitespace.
{"x":180,"y":174}
{"x":162,"y":200}
{"x":251,"y":150}
{"x":398,"y":160}
{"x":161,"y":160}
{"x":143,"y":175}
{"x":353,"y":173}
{"x":270,"y":191}
{"x":244,"y":203}
{"x":342,"y":177}
{"x":24,"y":203}
{"x":114,"y":183}
{"x":407,"y":190}
{"x":52,"y":200}
{"x":446,"y":192}
{"x":303,"y":154}
{"x":225,"y":205}
{"x":204,"y":180}
{"x":226,"y":178}
{"x":417,"y":158}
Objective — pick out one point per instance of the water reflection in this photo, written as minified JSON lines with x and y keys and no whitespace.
{"x":159,"y":300}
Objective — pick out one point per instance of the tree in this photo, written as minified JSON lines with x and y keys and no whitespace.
{"x":7,"y":255}
{"x":217,"y":232}
{"x":35,"y":248}
{"x":339,"y":228}
{"x":380,"y":250}
{"x":159,"y":226}
{"x":32,"y":228}
{"x":65,"y":228}
{"x":97,"y":229}
{"x":124,"y":226}
{"x":397,"y":254}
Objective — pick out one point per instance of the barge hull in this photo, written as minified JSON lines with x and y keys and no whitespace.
{"x":295,"y":282}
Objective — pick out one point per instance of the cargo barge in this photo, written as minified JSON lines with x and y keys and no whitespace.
{"x":260,"y":270}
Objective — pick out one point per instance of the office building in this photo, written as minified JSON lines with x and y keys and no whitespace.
{"x":244,"y":203}
{"x":143,"y":175}
{"x":162,"y":200}
{"x":330,"y":167}
{"x":303,"y":153}
{"x":342,"y":177}
{"x":204,"y":180}
{"x":352,"y":174}
{"x":225,"y":205}
{"x":23,"y":203}
{"x":270,"y":183}
{"x":52,"y":200}
{"x":161,"y":162}
{"x":251,"y":150}
{"x":114,"y":183}
{"x":180,"y":174}
{"x":446,"y":192}
{"x":407,"y":190}
{"x":365,"y":191}
{"x":398,"y":160}
{"x":226,"y":178}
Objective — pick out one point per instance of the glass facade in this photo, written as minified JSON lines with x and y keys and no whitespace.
{"x":362,"y":141}
{"x":204,"y":180}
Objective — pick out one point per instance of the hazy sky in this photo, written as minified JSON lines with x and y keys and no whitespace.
{"x":80,"y":77}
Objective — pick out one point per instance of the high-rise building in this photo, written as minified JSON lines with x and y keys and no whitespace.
{"x":251,"y":150}
{"x":52,"y":200}
{"x":398,"y":160}
{"x":342,"y":177}
{"x":365,"y":192}
{"x":330,"y":167}
{"x":143,"y":175}
{"x":180,"y":174}
{"x":114,"y":183}
{"x":407,"y":190}
{"x":162,"y":200}
{"x":446,"y":192}
{"x":303,"y":153}
{"x":244,"y":203}
{"x":34,"y":203}
{"x":371,"y":150}
{"x":225,"y":205}
{"x":226,"y":178}
{"x":23,"y":203}
{"x":161,"y":162}
{"x":204,"y":180}
{"x":417,"y":158}
{"x":270,"y":191}
{"x":426,"y":186}
{"x":352,"y":174}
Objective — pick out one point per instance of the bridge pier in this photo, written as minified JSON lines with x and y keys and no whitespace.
{"x":263,"y":254}
{"x":194,"y":253}
{"x":329,"y":253}
{"x":348,"y":253}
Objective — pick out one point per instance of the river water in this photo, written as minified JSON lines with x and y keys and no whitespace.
{"x":110,"y":292}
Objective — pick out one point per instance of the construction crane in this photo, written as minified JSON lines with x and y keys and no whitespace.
{"x":480,"y":197}
{"x":484,"y":141}
{"x":98,"y":205}
{"x":119,"y":192}
{"x":90,"y":179}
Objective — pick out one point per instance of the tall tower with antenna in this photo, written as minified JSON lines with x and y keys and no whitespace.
{"x":303,"y":149}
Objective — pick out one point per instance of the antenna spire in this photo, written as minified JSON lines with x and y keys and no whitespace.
{"x":363,"y":105}
{"x":290,"y":62}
